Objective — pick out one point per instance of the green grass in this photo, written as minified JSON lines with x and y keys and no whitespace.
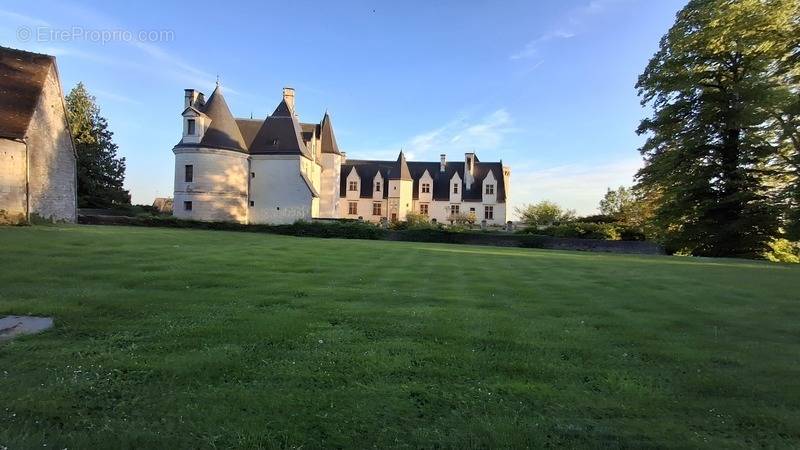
{"x":202,"y":339}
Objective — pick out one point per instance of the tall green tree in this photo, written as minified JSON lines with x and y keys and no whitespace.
{"x":712,"y":156}
{"x":100,"y":171}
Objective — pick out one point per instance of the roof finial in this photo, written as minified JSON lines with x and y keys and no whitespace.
{"x":217,"y":80}
{"x":251,"y":115}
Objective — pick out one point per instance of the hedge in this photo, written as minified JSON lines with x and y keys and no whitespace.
{"x":362,"y":230}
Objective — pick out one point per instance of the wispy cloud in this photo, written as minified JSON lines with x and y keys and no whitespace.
{"x":464,"y":133}
{"x":574,"y":186}
{"x":22,"y":18}
{"x":531,"y":49}
{"x":113,"y":96}
{"x":153,"y":59}
{"x":571,"y":25}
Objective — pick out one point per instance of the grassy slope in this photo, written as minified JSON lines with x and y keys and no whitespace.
{"x":183,"y":338}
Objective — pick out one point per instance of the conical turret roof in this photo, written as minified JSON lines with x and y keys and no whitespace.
{"x":401,"y":172}
{"x":327,"y":137}
{"x":223,"y":131}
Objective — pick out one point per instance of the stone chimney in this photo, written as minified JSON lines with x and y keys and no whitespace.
{"x":442,"y":162}
{"x":193,"y":98}
{"x":288,"y":97}
{"x":469,"y":168}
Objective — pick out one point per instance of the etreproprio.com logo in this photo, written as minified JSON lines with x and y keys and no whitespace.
{"x":94,"y":35}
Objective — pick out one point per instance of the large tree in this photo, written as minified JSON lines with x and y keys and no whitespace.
{"x":712,"y":156}
{"x":100,"y":171}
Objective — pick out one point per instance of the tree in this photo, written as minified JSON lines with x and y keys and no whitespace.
{"x":712,"y":153}
{"x":100,"y":172}
{"x":544,"y":213}
{"x":617,"y":203}
{"x":627,"y":206}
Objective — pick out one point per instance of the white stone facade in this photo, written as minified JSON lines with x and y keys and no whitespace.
{"x":282,"y":171}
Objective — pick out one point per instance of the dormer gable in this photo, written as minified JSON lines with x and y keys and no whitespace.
{"x":195,"y":124}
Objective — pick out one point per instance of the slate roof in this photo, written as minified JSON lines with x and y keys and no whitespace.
{"x":279,"y":133}
{"x":367,"y":170}
{"x":402,"y":172}
{"x":327,"y":136}
{"x":22,"y":77}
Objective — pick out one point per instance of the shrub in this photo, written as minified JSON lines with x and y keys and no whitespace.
{"x":629,"y":233}
{"x":583,"y":230}
{"x":784,"y":250}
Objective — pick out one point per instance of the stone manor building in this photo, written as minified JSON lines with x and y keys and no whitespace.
{"x":279,"y":170}
{"x":37,"y":158}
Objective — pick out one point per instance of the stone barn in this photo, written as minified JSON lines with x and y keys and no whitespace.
{"x":37,"y":158}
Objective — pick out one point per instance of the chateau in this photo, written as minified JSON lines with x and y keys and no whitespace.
{"x":279,"y":170}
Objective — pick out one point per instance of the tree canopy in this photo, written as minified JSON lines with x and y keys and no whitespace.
{"x":720,"y":157}
{"x":544,"y":213}
{"x":100,"y":171}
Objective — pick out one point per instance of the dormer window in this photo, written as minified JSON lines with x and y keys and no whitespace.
{"x":377,"y":186}
{"x":275,"y":142}
{"x":490,"y":189}
{"x":426,"y":188}
{"x":352,"y":186}
{"x":455,"y":188}
{"x":190,"y":127}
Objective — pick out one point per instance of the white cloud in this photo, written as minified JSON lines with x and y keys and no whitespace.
{"x":531,"y":49}
{"x":460,"y":135}
{"x":463,"y":134}
{"x":571,"y":26}
{"x":574,"y":186}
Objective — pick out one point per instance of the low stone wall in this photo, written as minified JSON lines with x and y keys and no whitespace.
{"x":357,"y":230}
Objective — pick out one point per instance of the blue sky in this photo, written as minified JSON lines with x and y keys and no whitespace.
{"x":546,"y":86}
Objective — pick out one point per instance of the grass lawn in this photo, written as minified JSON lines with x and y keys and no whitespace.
{"x":201,"y":339}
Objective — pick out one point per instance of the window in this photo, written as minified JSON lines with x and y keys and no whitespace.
{"x":187,"y":206}
{"x":252,"y":203}
{"x":190,"y":126}
{"x":275,"y":142}
{"x":426,"y":188}
{"x":488,"y":212}
{"x":454,"y":209}
{"x":352,"y":186}
{"x":489,"y":189}
{"x":455,"y":188}
{"x":423,"y":209}
{"x":352,"y":208}
{"x":472,"y":210}
{"x":189,"y":173}
{"x":376,"y":209}
{"x":377,"y":186}
{"x":252,"y":174}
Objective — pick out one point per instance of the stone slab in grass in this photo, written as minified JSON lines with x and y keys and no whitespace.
{"x":13,"y":326}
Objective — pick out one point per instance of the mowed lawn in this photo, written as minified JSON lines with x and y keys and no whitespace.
{"x":202,"y":339}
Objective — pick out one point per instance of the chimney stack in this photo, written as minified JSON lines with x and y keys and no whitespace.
{"x":442,"y":162}
{"x":288,"y":97}
{"x":193,"y":98}
{"x":469,"y":167}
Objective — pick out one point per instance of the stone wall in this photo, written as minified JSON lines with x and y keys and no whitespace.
{"x":52,"y":171}
{"x":51,"y":163}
